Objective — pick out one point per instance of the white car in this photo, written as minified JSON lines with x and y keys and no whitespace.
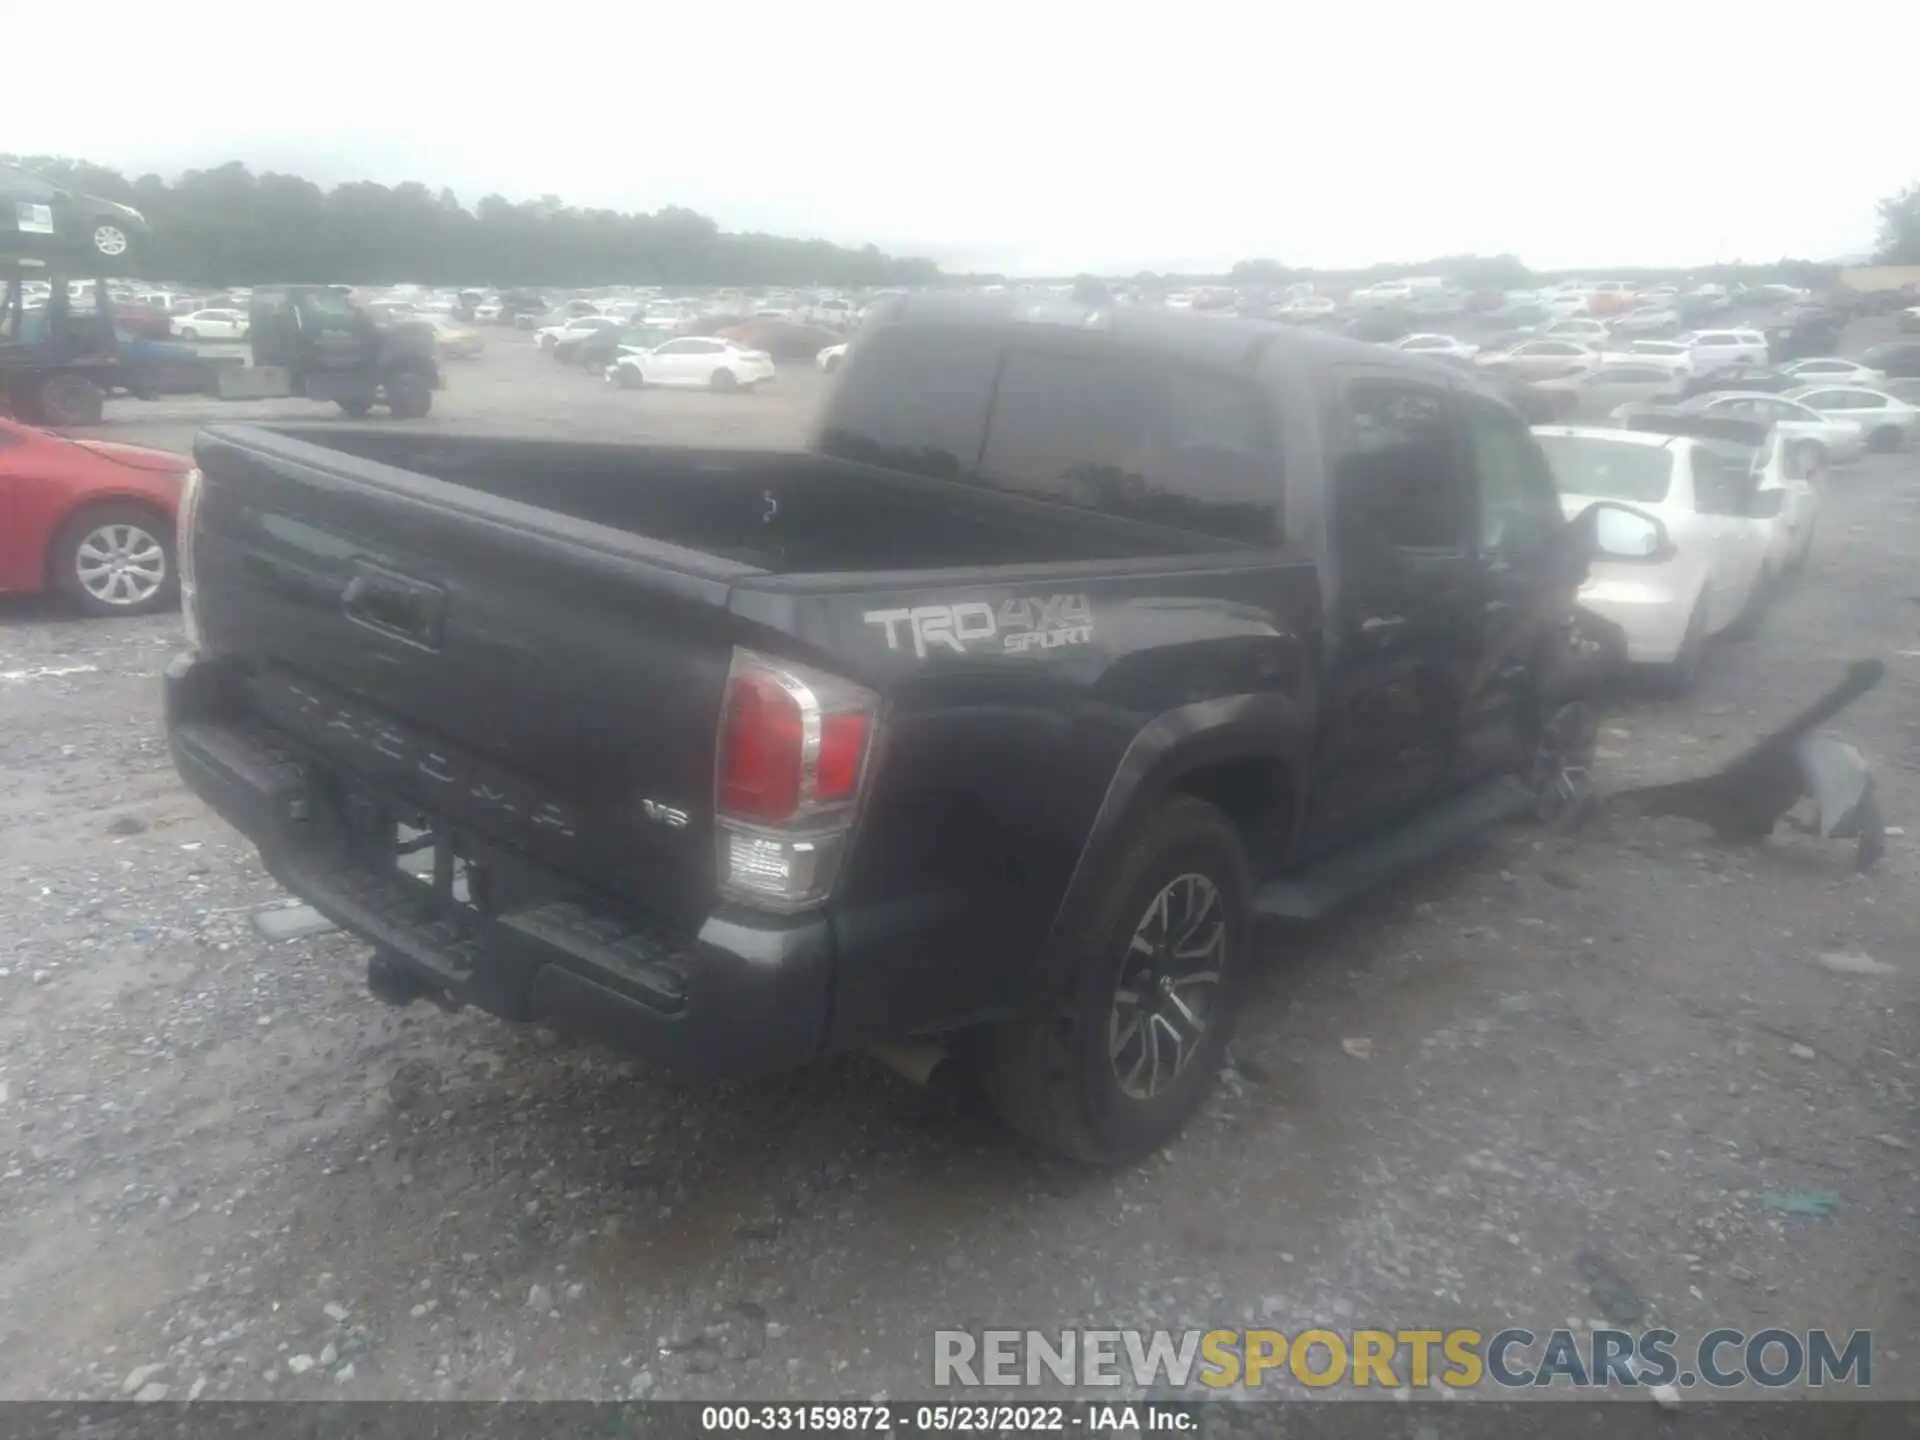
{"x":1713,"y":349}
{"x":1778,"y":463}
{"x":829,"y":359}
{"x":1377,"y":297}
{"x":1785,"y":467}
{"x":1829,"y":439}
{"x":1646,"y":320}
{"x":551,"y":335}
{"x":696,"y":362}
{"x":1708,"y":496}
{"x":1674,"y":355}
{"x":1832,"y":370}
{"x":211,"y":325}
{"x":1582,"y":331}
{"x":833,"y":312}
{"x":1307,"y":307}
{"x":1886,"y":421}
{"x":1444,"y":347}
{"x":1565,"y":303}
{"x":1540,"y":359}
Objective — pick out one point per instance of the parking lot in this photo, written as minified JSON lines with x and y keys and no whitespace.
{"x":515,"y":386}
{"x":226,"y":1169}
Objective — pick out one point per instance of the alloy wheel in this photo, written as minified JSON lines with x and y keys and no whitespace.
{"x":1168,"y":987}
{"x":120,"y":565}
{"x":110,"y":240}
{"x":1561,"y":779}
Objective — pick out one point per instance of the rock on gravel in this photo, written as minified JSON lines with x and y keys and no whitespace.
{"x":1846,"y":962}
{"x":140,"y":1375}
{"x":296,"y":922}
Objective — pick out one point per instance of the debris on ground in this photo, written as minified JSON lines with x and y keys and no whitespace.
{"x":292,"y":922}
{"x":1746,"y":798}
{"x":1815,"y":1203}
{"x":1845,"y":962}
{"x":1616,"y":1296}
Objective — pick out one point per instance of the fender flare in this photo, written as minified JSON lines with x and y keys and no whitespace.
{"x":1174,"y":744}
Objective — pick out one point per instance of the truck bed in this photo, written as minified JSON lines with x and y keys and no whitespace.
{"x":777,"y":511}
{"x":550,"y":624}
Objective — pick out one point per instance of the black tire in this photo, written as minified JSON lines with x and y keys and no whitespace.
{"x":356,"y":407}
{"x":187,"y":332}
{"x":724,"y":380}
{"x":64,"y":558}
{"x":1053,"y":1074}
{"x":71,"y":400}
{"x":1677,"y":677}
{"x":409,"y":395}
{"x":628,"y":377}
{"x":1887,"y":438}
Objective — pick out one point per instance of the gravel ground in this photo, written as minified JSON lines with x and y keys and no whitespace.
{"x":225,"y":1170}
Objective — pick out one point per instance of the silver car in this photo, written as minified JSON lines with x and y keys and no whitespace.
{"x":1832,"y":438}
{"x":1887,"y":421}
{"x":1600,"y":391}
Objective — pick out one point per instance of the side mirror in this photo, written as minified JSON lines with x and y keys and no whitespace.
{"x":1614,"y":531}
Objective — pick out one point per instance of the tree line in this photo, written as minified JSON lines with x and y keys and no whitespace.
{"x":228,"y":226}
{"x":1900,"y":227}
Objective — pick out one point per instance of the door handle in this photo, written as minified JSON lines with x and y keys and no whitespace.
{"x":1381,"y":624}
{"x":395,"y":605}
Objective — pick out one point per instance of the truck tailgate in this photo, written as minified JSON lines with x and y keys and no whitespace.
{"x":534,"y":678}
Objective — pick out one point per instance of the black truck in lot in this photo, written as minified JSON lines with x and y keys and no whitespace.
{"x":1077,"y":642}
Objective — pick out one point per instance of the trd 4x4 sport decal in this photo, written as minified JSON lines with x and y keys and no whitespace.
{"x":1018,"y":627}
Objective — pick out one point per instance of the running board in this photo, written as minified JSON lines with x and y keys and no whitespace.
{"x":1311,"y":893}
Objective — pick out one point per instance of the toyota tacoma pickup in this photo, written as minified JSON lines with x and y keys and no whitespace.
{"x":1073,"y":644}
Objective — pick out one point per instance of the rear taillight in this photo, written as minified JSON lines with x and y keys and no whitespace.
{"x":793,"y":750}
{"x":190,"y":487}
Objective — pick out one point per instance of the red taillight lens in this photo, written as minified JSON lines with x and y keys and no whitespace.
{"x":762,"y":742}
{"x":843,"y":739}
{"x":793,"y":746}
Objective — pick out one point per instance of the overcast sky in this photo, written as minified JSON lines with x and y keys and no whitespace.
{"x":1041,"y":137}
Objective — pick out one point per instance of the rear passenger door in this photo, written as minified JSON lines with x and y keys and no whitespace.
{"x":1188,"y":447}
{"x":1524,"y":590}
{"x":1402,"y":624}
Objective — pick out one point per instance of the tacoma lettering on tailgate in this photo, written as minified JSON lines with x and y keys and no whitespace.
{"x":1018,"y":627}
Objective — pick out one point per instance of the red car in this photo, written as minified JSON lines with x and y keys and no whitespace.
{"x":91,"y":520}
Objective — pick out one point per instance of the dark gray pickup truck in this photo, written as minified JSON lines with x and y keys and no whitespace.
{"x":1075,"y":643}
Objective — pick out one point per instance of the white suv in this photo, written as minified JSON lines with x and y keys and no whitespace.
{"x":1712,"y":349}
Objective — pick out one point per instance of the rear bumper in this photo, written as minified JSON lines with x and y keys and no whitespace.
{"x":1651,"y":610}
{"x":741,"y":995}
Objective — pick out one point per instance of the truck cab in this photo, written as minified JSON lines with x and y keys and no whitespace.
{"x":312,"y":341}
